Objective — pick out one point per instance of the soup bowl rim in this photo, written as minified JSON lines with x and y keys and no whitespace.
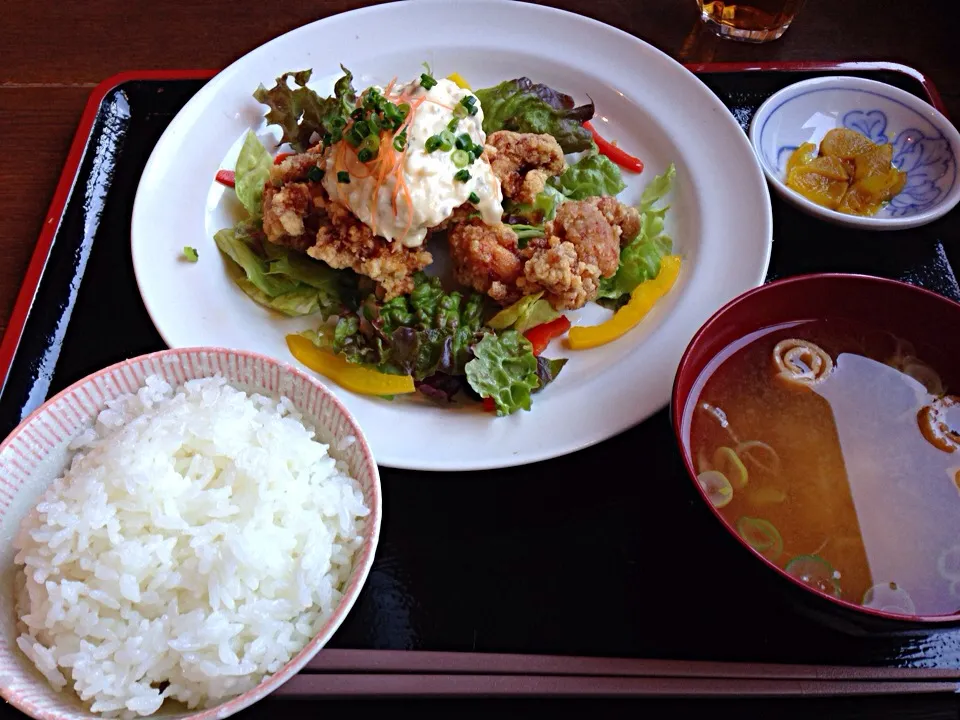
{"x":678,"y":406}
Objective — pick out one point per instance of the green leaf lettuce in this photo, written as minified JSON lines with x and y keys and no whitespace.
{"x":505,"y":369}
{"x":593,"y":175}
{"x":640,"y":258}
{"x":524,"y":106}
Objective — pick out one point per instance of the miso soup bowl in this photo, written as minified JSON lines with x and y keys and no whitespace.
{"x":902,"y":309}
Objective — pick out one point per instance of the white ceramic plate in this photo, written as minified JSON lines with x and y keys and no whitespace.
{"x":720,"y":220}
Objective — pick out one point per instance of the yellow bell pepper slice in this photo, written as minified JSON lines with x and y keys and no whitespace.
{"x":350,"y":376}
{"x":642,"y":300}
{"x":458,"y":80}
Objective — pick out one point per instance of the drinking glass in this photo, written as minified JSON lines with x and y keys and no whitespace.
{"x":754,"y":21}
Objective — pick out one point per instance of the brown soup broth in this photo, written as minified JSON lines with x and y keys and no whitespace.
{"x":852,"y":481}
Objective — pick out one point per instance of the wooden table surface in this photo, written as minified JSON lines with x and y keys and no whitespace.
{"x":53,"y":53}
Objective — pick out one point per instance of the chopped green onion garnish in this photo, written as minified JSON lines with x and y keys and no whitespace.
{"x":447,"y":140}
{"x":400,"y":141}
{"x":314,"y":174}
{"x":343,"y":177}
{"x":190,"y":253}
{"x":472,"y":110}
{"x":358,"y":114}
{"x":361,"y":128}
{"x":468,"y":101}
{"x":464,"y":142}
{"x":433,"y":143}
{"x":374,"y":122}
{"x":369,"y":148}
{"x":461,"y":158}
{"x":461,"y":175}
{"x":427,"y":81}
{"x":328,"y":139}
{"x":476,"y":151}
{"x":473,"y":197}
{"x":337,"y":122}
{"x":404,"y":109}
{"x":353,"y":137}
{"x":452,"y":125}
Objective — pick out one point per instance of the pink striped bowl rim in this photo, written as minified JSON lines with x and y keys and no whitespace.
{"x":35,"y":454}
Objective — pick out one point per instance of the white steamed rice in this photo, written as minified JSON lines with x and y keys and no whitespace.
{"x":197,"y":542}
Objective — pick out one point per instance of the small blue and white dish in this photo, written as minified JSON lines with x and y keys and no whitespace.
{"x":925,"y":144}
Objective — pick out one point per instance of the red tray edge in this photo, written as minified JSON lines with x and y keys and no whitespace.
{"x":745,"y":678}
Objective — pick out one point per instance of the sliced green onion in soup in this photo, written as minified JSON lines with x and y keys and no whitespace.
{"x":726,"y":460}
{"x":760,"y":454}
{"x":889,"y":597}
{"x":716,"y":487}
{"x":768,"y":495}
{"x":816,"y":572}
{"x":762,"y":536}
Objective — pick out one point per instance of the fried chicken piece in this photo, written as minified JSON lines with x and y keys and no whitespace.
{"x":295,"y":168}
{"x":524,"y":162}
{"x":625,"y":219}
{"x":284,"y":210}
{"x":580,"y":246}
{"x":342,"y":241}
{"x":487,"y":258}
{"x":300,"y":215}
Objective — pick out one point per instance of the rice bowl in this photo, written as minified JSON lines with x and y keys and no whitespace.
{"x":180,"y":555}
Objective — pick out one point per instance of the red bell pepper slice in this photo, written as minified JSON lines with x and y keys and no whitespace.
{"x":489,"y":405}
{"x":281,"y":157}
{"x":541,"y":335}
{"x":226,"y":177}
{"x":620,"y":157}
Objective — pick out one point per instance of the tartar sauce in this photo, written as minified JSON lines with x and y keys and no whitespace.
{"x":434,"y":192}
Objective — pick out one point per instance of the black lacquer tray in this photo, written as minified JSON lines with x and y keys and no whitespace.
{"x":596,"y":573}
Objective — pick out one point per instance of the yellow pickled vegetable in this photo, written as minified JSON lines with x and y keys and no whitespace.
{"x":844,"y":143}
{"x":347,"y":375}
{"x":642,"y":300}
{"x":824,"y":180}
{"x":801,"y":156}
{"x":851,"y":174}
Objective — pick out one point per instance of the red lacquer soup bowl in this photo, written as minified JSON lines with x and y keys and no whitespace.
{"x":885,"y":310}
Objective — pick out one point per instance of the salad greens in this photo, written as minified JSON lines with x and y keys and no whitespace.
{"x":592,"y":175}
{"x":304,"y":116}
{"x":421,"y":334}
{"x":280,"y":279}
{"x":505,"y":369}
{"x":271,"y":275}
{"x":524,"y":106}
{"x":527,"y":312}
{"x":252,"y":173}
{"x":640,"y":258}
{"x":190,"y":254}
{"x":437,"y":337}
